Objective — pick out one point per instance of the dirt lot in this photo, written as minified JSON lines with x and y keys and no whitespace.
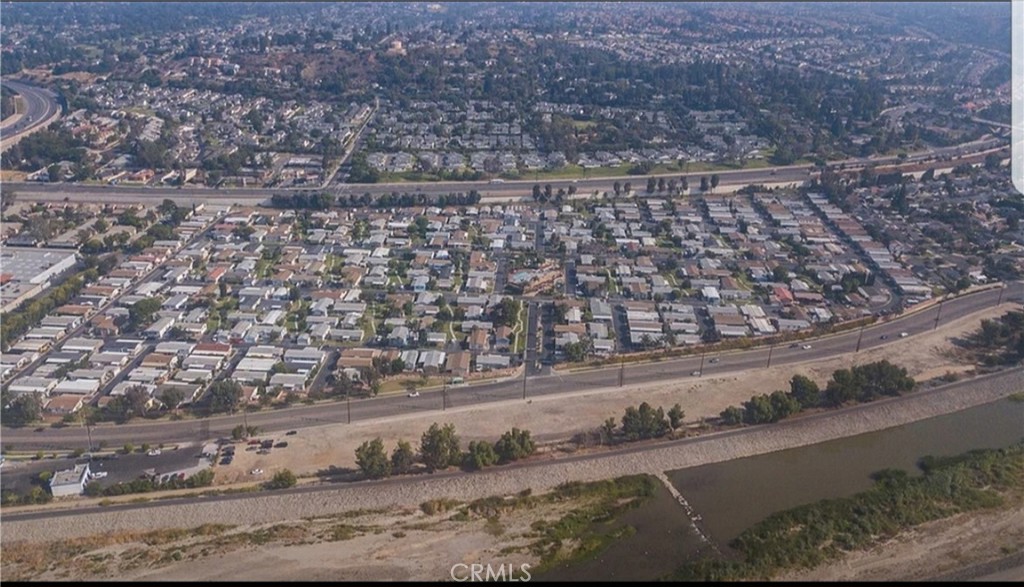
{"x":925,"y":356}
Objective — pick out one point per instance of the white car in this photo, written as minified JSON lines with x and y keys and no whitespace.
{"x":99,"y":474}
{"x":695,"y":373}
{"x":806,"y":347}
{"x":904,"y":335}
{"x":256,"y":472}
{"x":155,"y":452}
{"x":414,"y":394}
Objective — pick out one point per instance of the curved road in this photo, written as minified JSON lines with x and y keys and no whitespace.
{"x":40,"y":107}
{"x":335,"y":412}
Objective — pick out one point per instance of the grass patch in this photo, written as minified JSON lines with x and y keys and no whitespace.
{"x":1016,"y":397}
{"x":438,"y":506}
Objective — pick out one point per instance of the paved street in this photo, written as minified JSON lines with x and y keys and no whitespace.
{"x":430,"y":400}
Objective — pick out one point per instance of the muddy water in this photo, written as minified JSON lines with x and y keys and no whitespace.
{"x":734,"y":495}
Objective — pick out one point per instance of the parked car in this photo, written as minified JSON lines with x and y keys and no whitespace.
{"x":291,"y":433}
{"x":281,"y":444}
{"x":256,"y":472}
{"x":99,"y":474}
{"x":155,"y":452}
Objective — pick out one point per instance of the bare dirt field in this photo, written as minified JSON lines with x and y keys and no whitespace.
{"x":560,"y":417}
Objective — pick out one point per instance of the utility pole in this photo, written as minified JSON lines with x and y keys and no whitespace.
{"x":1002,"y":288}
{"x":525,"y":367}
{"x":860,"y":337}
{"x":770,"y":349}
{"x":938,"y":314}
{"x":444,"y":396}
{"x":348,"y":406}
{"x":622,"y":372}
{"x":702,"y":353}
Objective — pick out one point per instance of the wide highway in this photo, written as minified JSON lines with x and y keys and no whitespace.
{"x":339,"y":412}
{"x":501,"y":190}
{"x":40,"y":107}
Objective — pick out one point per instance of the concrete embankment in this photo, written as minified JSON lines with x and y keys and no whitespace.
{"x":539,"y":476}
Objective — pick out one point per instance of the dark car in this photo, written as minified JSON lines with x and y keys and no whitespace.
{"x":281,"y":445}
{"x":267,"y":444}
{"x":291,"y":433}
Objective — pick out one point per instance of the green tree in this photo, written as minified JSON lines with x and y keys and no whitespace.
{"x":172,"y":397}
{"x":403,"y":458}
{"x":783,"y":405}
{"x":372,"y":459}
{"x":439,"y":447}
{"x":644,"y":422}
{"x":675,"y":416}
{"x":481,"y":454}
{"x":732,"y":416}
{"x":514,"y":444}
{"x":225,"y":395}
{"x":608,"y":431}
{"x":805,"y":391}
{"x":758,"y":410}
{"x":714,"y":181}
{"x":23,"y":410}
{"x":282,"y":479}
{"x":141,"y":312}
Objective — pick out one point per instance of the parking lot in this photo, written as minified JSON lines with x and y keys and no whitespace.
{"x":17,"y":476}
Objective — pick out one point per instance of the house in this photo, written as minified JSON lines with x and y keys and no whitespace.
{"x":478,"y":340}
{"x":488,"y":362}
{"x":65,"y":404}
{"x":458,"y":363}
{"x":399,"y":336}
{"x":70,"y":482}
{"x":159,"y":329}
{"x":432,"y":361}
{"x":502,"y":338}
{"x":288,"y":381}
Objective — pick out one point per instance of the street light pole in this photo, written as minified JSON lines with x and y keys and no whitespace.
{"x":348,"y":406}
{"x":525,"y":367}
{"x":770,"y":349}
{"x":702,"y":353}
{"x":860,"y":337}
{"x":938,"y":314}
{"x":622,"y":372}
{"x":1002,"y":289}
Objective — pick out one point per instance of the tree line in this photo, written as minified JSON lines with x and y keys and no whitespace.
{"x":440,"y":449}
{"x":862,"y":383}
{"x":324,"y":201}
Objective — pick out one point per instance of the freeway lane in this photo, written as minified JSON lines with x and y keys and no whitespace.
{"x":338,"y":491}
{"x":509,"y":190}
{"x":40,"y":106}
{"x":461,"y":396}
